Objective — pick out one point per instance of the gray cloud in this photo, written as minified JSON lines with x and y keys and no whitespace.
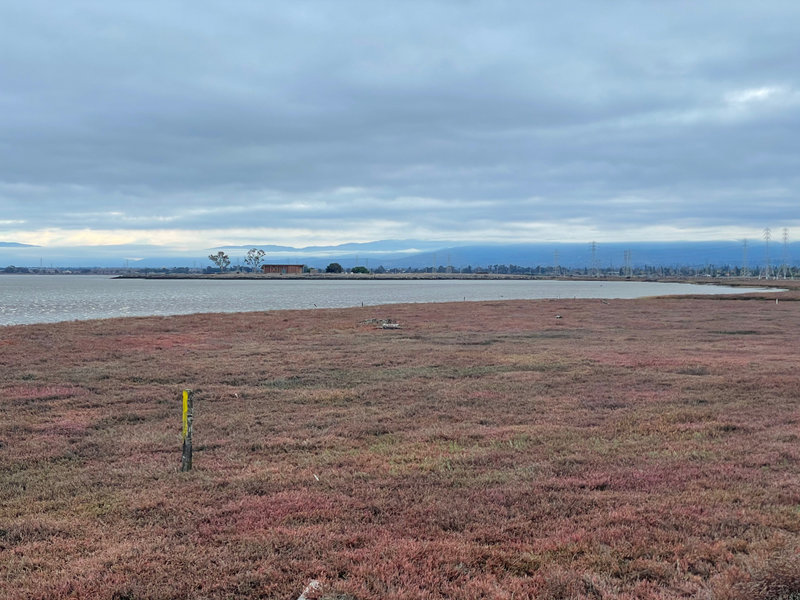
{"x":361,"y":120}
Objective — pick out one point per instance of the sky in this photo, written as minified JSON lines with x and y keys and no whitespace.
{"x":191,"y":125}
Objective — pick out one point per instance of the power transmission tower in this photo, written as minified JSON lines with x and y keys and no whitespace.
{"x":628,"y":269}
{"x":745,"y":269}
{"x":594,"y":259}
{"x":785,"y":265}
{"x":556,"y":268}
{"x":767,"y":237}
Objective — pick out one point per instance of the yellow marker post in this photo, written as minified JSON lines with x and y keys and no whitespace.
{"x":185,"y":413}
{"x":188,"y":417}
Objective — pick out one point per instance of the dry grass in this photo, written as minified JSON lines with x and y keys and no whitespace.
{"x":632,"y":449}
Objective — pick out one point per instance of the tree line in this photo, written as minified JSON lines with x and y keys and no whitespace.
{"x":255,"y":258}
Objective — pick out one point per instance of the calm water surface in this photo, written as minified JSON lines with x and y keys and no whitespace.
{"x":51,"y":298}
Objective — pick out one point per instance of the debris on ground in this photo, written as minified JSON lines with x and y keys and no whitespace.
{"x":314,"y":587}
{"x":382,"y":323}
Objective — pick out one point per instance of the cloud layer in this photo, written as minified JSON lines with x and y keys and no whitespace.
{"x":202,"y":124}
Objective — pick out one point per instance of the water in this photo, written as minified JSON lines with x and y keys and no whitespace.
{"x":51,"y":298}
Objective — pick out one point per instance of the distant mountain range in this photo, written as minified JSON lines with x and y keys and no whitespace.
{"x":381,"y":246}
{"x":417,"y":254}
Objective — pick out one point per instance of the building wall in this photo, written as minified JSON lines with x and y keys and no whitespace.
{"x":282,"y":269}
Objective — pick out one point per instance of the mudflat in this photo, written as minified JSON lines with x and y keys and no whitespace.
{"x":546,"y":449}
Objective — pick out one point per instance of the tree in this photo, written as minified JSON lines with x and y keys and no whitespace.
{"x":334,"y":268}
{"x":254,"y":257}
{"x":221,"y":260}
{"x":359,"y":270}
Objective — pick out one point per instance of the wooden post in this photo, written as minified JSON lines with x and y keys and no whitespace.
{"x":188,"y":417}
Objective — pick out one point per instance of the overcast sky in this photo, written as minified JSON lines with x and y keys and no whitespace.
{"x":200,"y":124}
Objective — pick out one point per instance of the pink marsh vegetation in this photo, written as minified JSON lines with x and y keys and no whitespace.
{"x":644,"y":449}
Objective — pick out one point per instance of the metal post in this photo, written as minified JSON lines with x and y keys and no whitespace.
{"x":188,"y":418}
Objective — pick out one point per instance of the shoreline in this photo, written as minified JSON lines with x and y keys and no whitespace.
{"x":732,"y":282}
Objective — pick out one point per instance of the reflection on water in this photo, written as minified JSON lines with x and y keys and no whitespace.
{"x":50,"y":298}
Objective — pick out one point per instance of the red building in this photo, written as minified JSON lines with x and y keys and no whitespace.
{"x":282,"y":269}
